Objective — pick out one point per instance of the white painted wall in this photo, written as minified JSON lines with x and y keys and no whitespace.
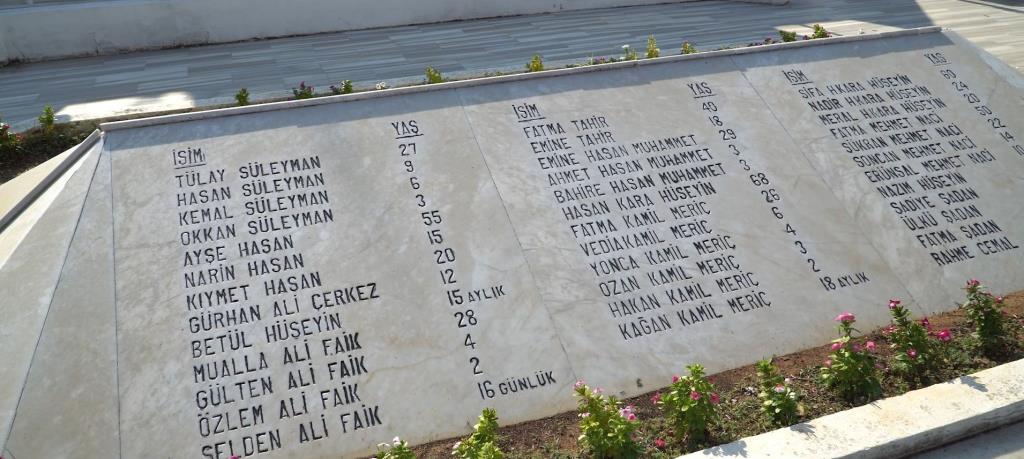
{"x":104,"y":27}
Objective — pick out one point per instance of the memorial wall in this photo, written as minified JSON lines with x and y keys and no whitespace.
{"x":313,"y":280}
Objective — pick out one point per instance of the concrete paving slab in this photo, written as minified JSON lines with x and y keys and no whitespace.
{"x":505,"y":41}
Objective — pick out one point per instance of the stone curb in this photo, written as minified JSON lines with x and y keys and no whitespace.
{"x":898,"y":426}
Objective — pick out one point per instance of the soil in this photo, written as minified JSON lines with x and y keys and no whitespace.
{"x":39,"y":146}
{"x":556,"y":436}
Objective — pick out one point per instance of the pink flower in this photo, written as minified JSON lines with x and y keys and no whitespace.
{"x":828,"y":362}
{"x":628,"y":413}
{"x":656,"y":398}
{"x":659,"y":443}
{"x":926,"y":323}
{"x":845,"y":317}
{"x":780,"y":389}
{"x":837,"y":346}
{"x":694,"y":395}
{"x":675,"y":378}
{"x":714,"y":398}
{"x":999,"y":299}
{"x":944,"y":336}
{"x":888,"y":330}
{"x":912,"y":353}
{"x":893,"y":304}
{"x":870,"y":345}
{"x":235,"y":457}
{"x":856,"y":347}
{"x":598,"y":391}
{"x":579,"y":384}
{"x":973,"y":283}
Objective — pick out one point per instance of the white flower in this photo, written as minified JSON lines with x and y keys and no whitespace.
{"x":382,"y":85}
{"x":396,"y":441}
{"x":625,"y":46}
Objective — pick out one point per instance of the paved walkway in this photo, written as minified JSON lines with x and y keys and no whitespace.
{"x":103,"y":86}
{"x":1003,"y":443}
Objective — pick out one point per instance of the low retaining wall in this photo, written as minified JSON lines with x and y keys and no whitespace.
{"x":105,"y":27}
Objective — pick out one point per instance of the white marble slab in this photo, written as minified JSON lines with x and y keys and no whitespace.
{"x":377,"y":272}
{"x":951,"y":209}
{"x":312,"y":278}
{"x":71,"y":389}
{"x":729,"y":236}
{"x":29,"y":277}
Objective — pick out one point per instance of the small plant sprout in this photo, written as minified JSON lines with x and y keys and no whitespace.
{"x":242,"y":97}
{"x":47,"y":119}
{"x":434,"y":76}
{"x":850,"y":369}
{"x":652,"y":48}
{"x":303,"y":91}
{"x":381,"y":85}
{"x":345,"y":87}
{"x":628,"y":53}
{"x":483,"y":444}
{"x":536,"y":64}
{"x":778,"y":400}
{"x":787,"y":36}
{"x":397,"y":449}
{"x":690,"y":403}
{"x":820,"y":32}
{"x":606,"y":428}
{"x":687,"y":48}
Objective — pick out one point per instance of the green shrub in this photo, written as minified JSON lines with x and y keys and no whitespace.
{"x":483,"y":444}
{"x":397,"y":449}
{"x":606,"y":429}
{"x":985,"y":314}
{"x":242,"y":97}
{"x":850,"y":369}
{"x":778,"y":400}
{"x":46,"y":120}
{"x":916,"y":354}
{"x":690,"y":404}
{"x":434,"y":76}
{"x":303,"y":91}
{"x":820,"y":32}
{"x":536,"y":64}
{"x":688,"y":48}
{"x":345,"y":87}
{"x":628,"y":53}
{"x":787,"y":36}
{"x":10,"y":143}
{"x":652,"y":48}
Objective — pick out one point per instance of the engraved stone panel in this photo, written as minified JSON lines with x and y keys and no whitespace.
{"x":924,"y":145}
{"x":318,"y":280}
{"x":669,"y":220}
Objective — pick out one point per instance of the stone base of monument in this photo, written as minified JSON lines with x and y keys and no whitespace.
{"x":898,"y":426}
